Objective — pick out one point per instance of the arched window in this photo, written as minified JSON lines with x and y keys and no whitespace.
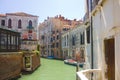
{"x":30,"y":23}
{"x":9,"y":23}
{"x":19,"y":24}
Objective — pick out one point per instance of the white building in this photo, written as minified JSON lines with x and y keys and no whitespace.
{"x":106,"y":40}
{"x":21,"y":22}
{"x":73,"y":41}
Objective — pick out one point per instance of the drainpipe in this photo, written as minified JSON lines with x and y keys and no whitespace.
{"x":91,"y":23}
{"x":91,"y":26}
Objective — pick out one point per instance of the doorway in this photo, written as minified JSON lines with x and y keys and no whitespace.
{"x":110,"y":58}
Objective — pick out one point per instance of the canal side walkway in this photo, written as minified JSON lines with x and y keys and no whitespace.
{"x":52,"y":70}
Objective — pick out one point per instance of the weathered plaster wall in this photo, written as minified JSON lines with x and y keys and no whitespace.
{"x":117,"y":57}
{"x":104,"y":20}
{"x":35,"y":61}
{"x":10,"y":65}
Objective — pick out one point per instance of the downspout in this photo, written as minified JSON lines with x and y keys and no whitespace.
{"x":91,"y":26}
{"x":91,"y":23}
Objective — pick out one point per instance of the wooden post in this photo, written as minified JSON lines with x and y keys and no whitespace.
{"x":77,"y":55}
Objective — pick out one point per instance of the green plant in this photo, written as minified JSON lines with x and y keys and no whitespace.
{"x":38,"y":47}
{"x":36,"y":52}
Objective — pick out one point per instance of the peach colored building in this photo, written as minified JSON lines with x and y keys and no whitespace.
{"x":50,"y":35}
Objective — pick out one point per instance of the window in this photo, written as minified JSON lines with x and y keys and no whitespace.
{"x":70,"y":23}
{"x":9,"y":23}
{"x":3,"y":40}
{"x":19,"y":24}
{"x":27,"y":62}
{"x":2,"y":22}
{"x":51,"y":39}
{"x":82,"y":38}
{"x":65,"y":29}
{"x":53,"y":32}
{"x":73,"y":40}
{"x":30,"y":23}
{"x":64,"y":41}
{"x":9,"y":41}
{"x":53,"y":45}
{"x":57,"y":36}
{"x":57,"y":44}
{"x":57,"y":31}
{"x":42,"y":37}
{"x":82,"y":53}
{"x":88,"y":34}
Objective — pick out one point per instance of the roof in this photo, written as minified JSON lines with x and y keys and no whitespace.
{"x":21,"y":14}
{"x":13,"y":31}
{"x":2,"y":15}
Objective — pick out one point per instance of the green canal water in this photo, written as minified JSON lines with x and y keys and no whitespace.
{"x":52,"y":70}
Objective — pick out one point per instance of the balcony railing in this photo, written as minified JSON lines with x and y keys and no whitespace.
{"x":30,"y":27}
{"x":94,"y":74}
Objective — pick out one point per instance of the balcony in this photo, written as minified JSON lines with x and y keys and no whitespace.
{"x":94,"y":74}
{"x":30,"y":27}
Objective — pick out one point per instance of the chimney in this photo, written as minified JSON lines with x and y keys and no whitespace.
{"x":74,"y":19}
{"x":48,"y":17}
{"x":60,"y":16}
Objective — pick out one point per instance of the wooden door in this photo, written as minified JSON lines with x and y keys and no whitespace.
{"x":110,"y":58}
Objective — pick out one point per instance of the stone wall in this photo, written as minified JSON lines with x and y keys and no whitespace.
{"x":10,"y":65}
{"x":35,"y":61}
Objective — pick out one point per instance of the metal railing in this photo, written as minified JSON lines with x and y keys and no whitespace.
{"x":89,"y":74}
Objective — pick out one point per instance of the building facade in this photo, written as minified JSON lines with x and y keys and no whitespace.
{"x":21,"y":22}
{"x":73,"y":41}
{"x":50,"y":35}
{"x":105,"y":35}
{"x":45,"y":32}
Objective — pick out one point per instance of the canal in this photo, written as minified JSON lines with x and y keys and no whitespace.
{"x":52,"y":70}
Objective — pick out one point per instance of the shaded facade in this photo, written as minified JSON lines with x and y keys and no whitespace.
{"x":73,"y":42}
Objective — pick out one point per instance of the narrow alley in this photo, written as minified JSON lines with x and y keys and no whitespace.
{"x":52,"y":70}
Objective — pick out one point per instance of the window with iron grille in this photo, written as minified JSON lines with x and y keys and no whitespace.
{"x":19,"y":24}
{"x":88,"y":34}
{"x":82,"y":39}
{"x":9,"y":23}
{"x":2,"y":22}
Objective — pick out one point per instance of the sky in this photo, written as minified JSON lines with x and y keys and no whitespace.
{"x":70,"y":9}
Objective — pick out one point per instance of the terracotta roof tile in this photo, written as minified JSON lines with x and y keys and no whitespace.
{"x":2,"y":15}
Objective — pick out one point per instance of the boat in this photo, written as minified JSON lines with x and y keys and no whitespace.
{"x":50,"y":57}
{"x":73,"y":62}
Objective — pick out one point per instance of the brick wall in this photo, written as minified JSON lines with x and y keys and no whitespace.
{"x":10,"y":65}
